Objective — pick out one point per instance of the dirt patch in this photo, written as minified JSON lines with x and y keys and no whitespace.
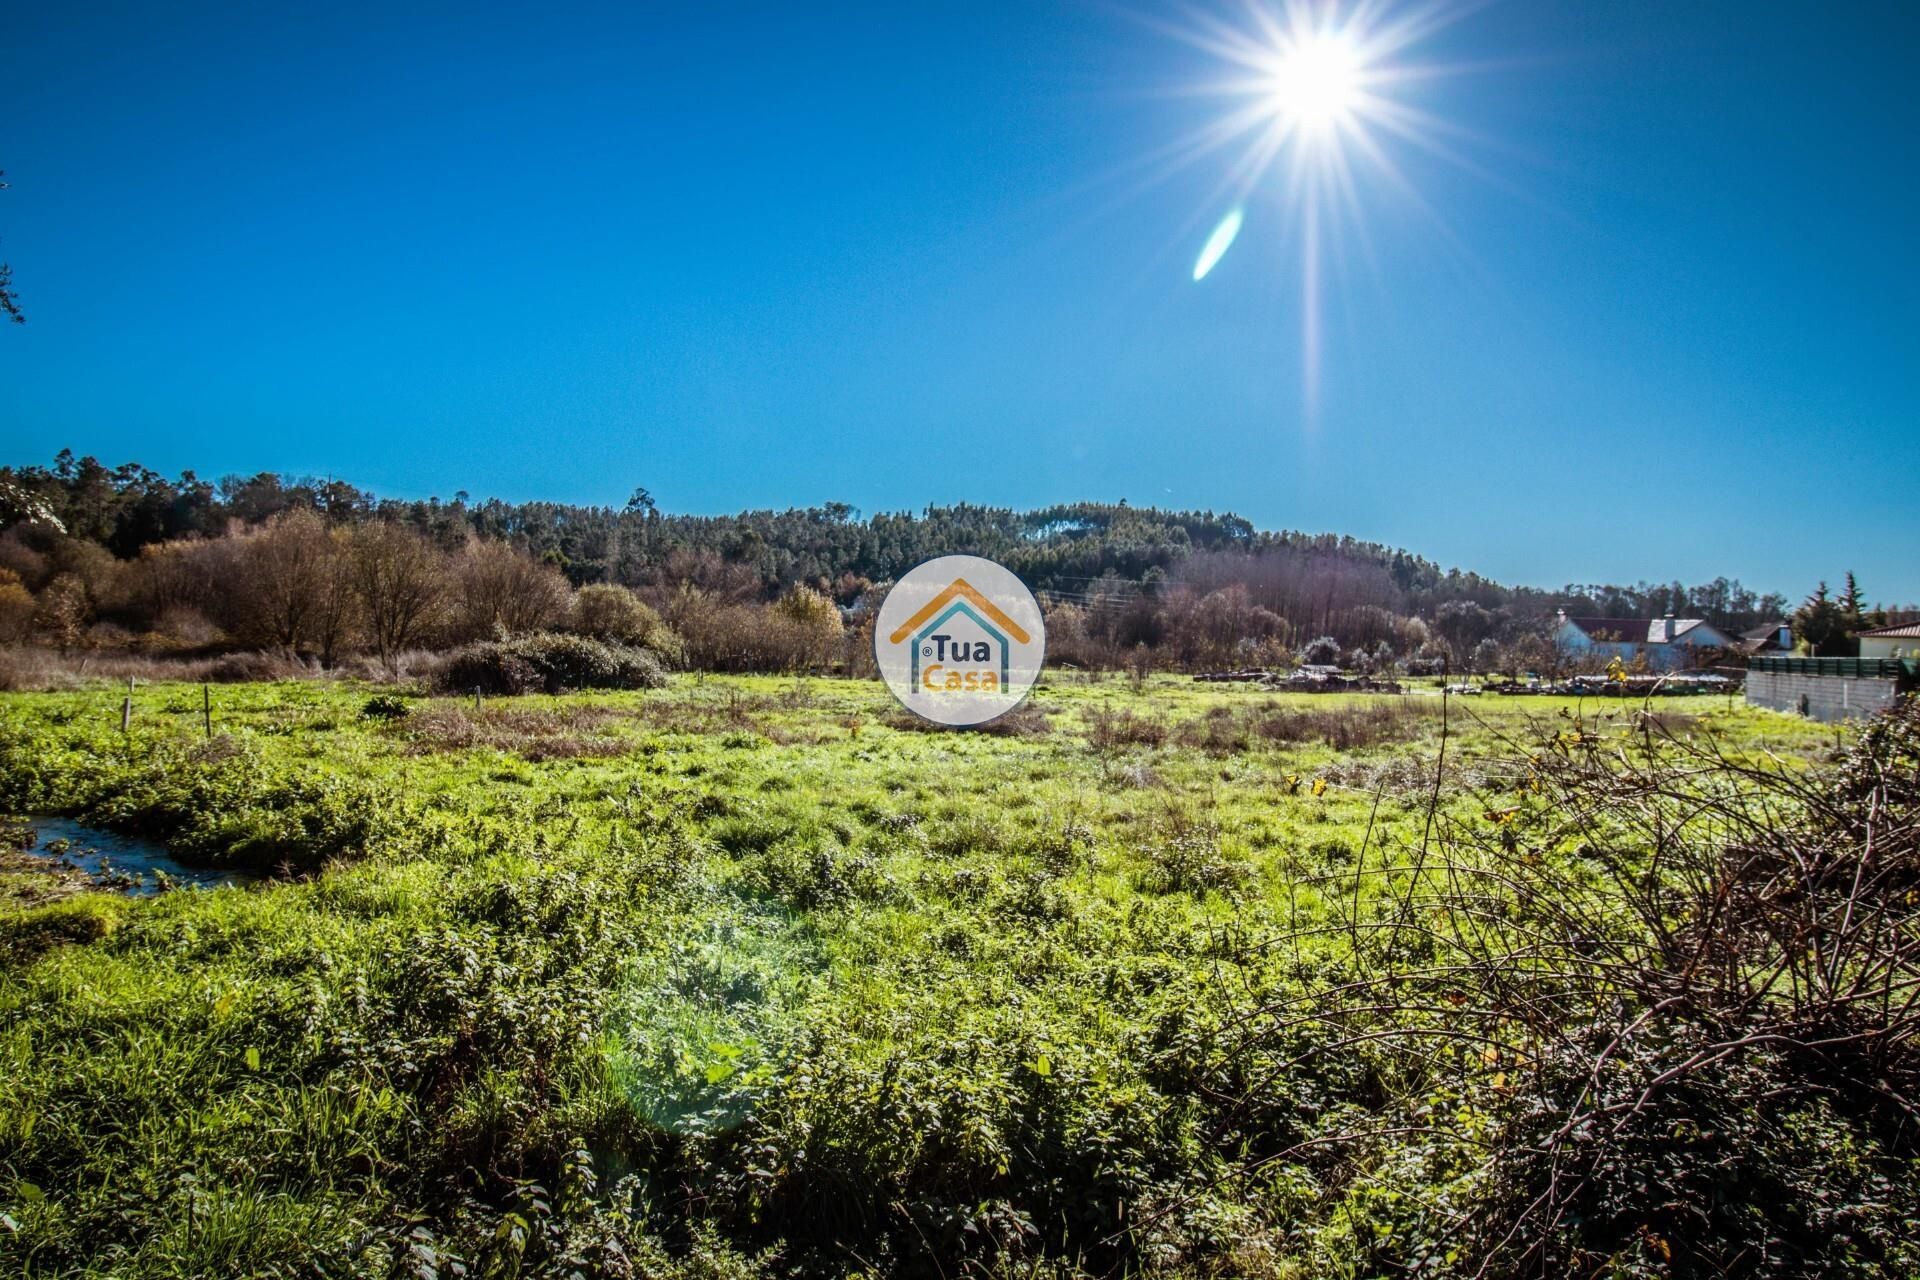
{"x":29,"y":881}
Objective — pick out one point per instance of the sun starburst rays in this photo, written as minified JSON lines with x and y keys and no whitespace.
{"x":1314,"y":111}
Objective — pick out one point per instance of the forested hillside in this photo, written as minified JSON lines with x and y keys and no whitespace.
{"x":1191,"y":586}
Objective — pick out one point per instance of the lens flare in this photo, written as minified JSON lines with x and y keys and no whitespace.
{"x":1218,"y":243}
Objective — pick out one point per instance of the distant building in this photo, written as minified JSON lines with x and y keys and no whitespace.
{"x":1771,"y":637}
{"x":1668,"y":644}
{"x":1901,"y":640}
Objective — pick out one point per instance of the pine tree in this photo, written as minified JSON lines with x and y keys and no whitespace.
{"x":1853,"y":616}
{"x":1817,"y":623}
{"x":1852,"y":605}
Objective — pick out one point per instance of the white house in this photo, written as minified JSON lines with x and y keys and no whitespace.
{"x":1899,"y":641}
{"x":1669,"y":643}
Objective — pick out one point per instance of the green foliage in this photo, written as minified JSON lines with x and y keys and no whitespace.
{"x":1820,"y":624}
{"x":763,"y":985}
{"x":385,"y":706}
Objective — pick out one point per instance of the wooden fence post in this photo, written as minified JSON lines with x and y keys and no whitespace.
{"x":126,"y":708}
{"x":206,"y":707}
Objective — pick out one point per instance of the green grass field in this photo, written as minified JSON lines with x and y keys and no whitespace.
{"x":748,"y":976}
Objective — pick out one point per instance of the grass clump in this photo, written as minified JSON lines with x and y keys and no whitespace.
{"x":385,"y":706}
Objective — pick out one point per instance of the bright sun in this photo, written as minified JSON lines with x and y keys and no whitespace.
{"x":1318,"y":98}
{"x":1315,"y":81}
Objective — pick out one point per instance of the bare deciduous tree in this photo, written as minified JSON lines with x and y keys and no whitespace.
{"x":64,"y":611}
{"x":502,"y":590}
{"x":396,"y":575}
{"x":338,"y":613}
{"x":283,"y":569}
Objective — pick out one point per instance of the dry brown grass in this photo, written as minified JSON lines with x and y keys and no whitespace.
{"x":533,"y":733}
{"x":1024,"y":721}
{"x":1344,"y":727}
{"x":26,"y":669}
{"x":1109,"y":728}
{"x":729,"y":711}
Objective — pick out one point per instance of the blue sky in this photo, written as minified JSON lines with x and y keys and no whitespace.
{"x":1663,"y":324}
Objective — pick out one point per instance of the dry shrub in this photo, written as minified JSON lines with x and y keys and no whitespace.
{"x":1671,"y":724}
{"x":37,"y":670}
{"x":1345,"y":726}
{"x":1407,"y":775}
{"x":244,"y":668}
{"x":732,"y":711}
{"x":1110,"y":728}
{"x":500,"y":590}
{"x":536,"y":734}
{"x":1183,"y":850}
{"x":34,"y":670}
{"x":801,"y":632}
{"x":16,"y":608}
{"x":1189,"y":862}
{"x":549,"y":662}
{"x":419,"y":668}
{"x":1024,"y":721}
{"x":1656,"y":1013}
{"x":181,"y":628}
{"x":609,"y":612}
{"x":1221,"y":731}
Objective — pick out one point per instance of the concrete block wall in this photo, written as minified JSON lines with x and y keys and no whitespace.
{"x":1828,"y":698}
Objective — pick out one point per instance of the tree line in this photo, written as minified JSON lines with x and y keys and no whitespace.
{"x":125,"y":555}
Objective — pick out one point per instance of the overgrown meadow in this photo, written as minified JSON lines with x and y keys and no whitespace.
{"x":759,"y":977}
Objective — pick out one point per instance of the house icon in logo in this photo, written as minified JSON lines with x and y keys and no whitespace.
{"x":960,"y":640}
{"x":959,"y":599}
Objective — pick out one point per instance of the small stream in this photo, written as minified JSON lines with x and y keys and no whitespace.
{"x":124,"y":864}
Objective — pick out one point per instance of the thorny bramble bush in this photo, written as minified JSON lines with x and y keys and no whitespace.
{"x":1647,"y":1012}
